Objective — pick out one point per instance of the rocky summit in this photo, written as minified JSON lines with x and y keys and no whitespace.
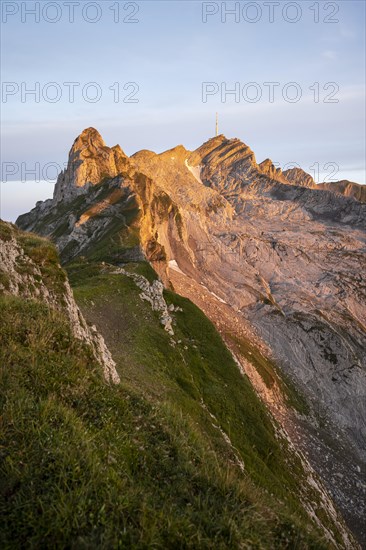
{"x":276,"y":262}
{"x":90,"y":161}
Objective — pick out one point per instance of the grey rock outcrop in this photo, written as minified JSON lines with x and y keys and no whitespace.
{"x":152,"y":293}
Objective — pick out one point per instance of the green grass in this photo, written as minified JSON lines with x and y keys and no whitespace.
{"x":4,"y":279}
{"x":88,"y":465}
{"x":116,"y":244}
{"x":198,"y":370}
{"x":269,"y":372}
{"x":142,"y":268}
{"x":6,"y":231}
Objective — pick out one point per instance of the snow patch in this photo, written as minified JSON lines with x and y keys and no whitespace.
{"x":217,"y":297}
{"x":195,"y":171}
{"x":213,"y":294}
{"x":173,"y":265}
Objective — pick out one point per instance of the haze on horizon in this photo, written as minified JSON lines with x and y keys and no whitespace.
{"x":169,"y":52}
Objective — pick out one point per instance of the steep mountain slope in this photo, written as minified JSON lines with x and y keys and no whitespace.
{"x":277,"y":267}
{"x":180,"y":453}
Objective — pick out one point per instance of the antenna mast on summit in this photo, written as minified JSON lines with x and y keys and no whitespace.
{"x":217,"y":124}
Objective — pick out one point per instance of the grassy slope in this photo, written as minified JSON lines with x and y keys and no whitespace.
{"x":143,"y":464}
{"x":196,"y":376}
{"x":88,"y":465}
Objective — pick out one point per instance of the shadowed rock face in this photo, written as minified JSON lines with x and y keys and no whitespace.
{"x":287,"y":257}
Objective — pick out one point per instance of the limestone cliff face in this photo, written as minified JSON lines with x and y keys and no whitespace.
{"x":175,"y":205}
{"x":266,"y":253}
{"x":90,"y":161}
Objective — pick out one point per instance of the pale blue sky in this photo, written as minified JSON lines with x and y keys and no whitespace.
{"x":169,"y":53}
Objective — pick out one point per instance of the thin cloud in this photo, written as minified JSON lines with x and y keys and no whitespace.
{"x":347,"y":33}
{"x":329,"y":54}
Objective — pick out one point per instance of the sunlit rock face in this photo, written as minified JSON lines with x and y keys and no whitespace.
{"x":347,"y":188}
{"x":90,"y":161}
{"x":289,"y":259}
{"x":267,"y":254}
{"x":268,"y":168}
{"x":297,"y":176}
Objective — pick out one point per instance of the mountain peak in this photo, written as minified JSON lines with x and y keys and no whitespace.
{"x":90,"y":137}
{"x":90,"y":130}
{"x":213,"y":146}
{"x":178,"y":152}
{"x":90,"y":160}
{"x":271,"y":171}
{"x":298,"y":176}
{"x":93,"y":132}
